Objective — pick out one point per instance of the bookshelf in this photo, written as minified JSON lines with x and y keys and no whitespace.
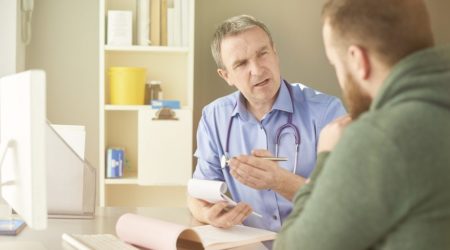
{"x":158,"y":152}
{"x":136,"y":48}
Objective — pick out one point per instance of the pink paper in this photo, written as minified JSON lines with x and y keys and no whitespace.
{"x":148,"y":232}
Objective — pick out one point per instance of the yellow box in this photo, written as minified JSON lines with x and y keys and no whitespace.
{"x":127,"y":85}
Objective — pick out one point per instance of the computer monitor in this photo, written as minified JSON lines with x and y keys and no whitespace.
{"x":22,"y":146}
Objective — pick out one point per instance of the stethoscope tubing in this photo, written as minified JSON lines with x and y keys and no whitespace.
{"x":289,"y":124}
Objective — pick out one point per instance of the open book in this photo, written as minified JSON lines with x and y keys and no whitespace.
{"x":157,"y":234}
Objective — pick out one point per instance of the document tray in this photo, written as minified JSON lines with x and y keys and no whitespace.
{"x":71,"y":181}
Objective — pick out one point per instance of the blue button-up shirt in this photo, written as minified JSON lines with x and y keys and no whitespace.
{"x":311,"y":111}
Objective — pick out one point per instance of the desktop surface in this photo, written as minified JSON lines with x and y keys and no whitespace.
{"x":104,"y":222}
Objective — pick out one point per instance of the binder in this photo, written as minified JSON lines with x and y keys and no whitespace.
{"x":163,"y":36}
{"x":155,"y":22}
{"x":71,"y":181}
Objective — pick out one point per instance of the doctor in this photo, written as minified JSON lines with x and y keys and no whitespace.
{"x":265,"y":111}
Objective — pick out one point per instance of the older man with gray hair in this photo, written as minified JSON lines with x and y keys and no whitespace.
{"x":266,"y":116}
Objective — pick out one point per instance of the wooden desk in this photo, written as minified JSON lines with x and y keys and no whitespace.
{"x":104,"y":222}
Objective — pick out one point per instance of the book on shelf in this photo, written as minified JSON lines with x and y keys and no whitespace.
{"x":115,"y":157}
{"x":158,"y":23}
{"x":178,"y":23}
{"x":170,"y":26}
{"x":153,"y":233}
{"x":119,"y":28}
{"x":155,"y":22}
{"x":163,"y":23}
{"x":143,"y":22}
{"x":185,"y":23}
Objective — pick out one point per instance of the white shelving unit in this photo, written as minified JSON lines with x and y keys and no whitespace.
{"x":136,"y":48}
{"x":158,"y":152}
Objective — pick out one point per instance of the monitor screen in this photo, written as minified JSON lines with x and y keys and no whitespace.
{"x":22,"y":145}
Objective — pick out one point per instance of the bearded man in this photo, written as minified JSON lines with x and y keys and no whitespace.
{"x":382,"y":178}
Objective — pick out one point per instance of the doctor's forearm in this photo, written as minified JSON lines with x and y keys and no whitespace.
{"x":288,"y":184}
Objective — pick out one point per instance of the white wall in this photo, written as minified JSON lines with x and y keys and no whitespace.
{"x":65,"y":39}
{"x":12,"y":51}
{"x":440,"y":20}
{"x":296,"y":30}
{"x":65,"y":44}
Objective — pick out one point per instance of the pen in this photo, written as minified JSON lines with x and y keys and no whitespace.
{"x":225,"y":161}
{"x":274,"y":158}
{"x":256,"y":214}
{"x":233,"y":203}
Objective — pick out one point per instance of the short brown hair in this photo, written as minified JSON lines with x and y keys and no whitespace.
{"x":392,"y":29}
{"x":234,"y":26}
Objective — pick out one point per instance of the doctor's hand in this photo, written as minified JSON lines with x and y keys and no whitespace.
{"x":255,"y":172}
{"x":222,"y":215}
{"x":259,"y":173}
{"x":219,"y":214}
{"x":331,"y":133}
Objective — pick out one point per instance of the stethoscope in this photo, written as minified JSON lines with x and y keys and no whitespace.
{"x":288,"y":125}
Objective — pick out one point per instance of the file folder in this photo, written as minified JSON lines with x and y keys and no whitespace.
{"x":71,"y":181}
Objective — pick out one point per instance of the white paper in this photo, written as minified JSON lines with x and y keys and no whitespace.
{"x":211,"y":191}
{"x":211,"y":235}
{"x":208,"y":190}
{"x":152,"y":233}
{"x":65,"y":176}
{"x":119,"y":28}
{"x":73,"y":135}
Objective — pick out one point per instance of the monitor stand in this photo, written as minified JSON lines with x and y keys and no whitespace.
{"x":8,"y":224}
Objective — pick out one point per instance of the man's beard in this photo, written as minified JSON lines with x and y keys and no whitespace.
{"x":356,"y":99}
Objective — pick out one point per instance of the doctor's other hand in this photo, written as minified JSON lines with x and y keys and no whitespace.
{"x":255,"y":172}
{"x":331,"y":133}
{"x":222,"y":215}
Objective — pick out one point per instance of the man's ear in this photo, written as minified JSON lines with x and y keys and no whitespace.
{"x":276,"y":52}
{"x":224,"y":74}
{"x":359,"y":62}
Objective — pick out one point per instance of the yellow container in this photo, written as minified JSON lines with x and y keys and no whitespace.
{"x":127,"y":85}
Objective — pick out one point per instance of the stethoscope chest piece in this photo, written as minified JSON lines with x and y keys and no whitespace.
{"x":224,"y":161}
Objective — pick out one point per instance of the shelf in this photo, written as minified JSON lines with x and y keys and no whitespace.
{"x":128,"y":178}
{"x":110,"y":107}
{"x":149,"y":143}
{"x":136,"y":48}
{"x":121,"y":181}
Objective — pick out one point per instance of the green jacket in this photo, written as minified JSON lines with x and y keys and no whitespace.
{"x":386,"y":185}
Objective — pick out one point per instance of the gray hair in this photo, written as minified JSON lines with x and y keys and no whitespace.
{"x":234,"y":26}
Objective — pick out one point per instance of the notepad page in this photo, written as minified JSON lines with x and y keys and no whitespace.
{"x":148,"y":232}
{"x":211,"y":235}
{"x":209,"y":190}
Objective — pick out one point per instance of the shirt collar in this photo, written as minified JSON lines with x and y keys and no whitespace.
{"x":283,"y":102}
